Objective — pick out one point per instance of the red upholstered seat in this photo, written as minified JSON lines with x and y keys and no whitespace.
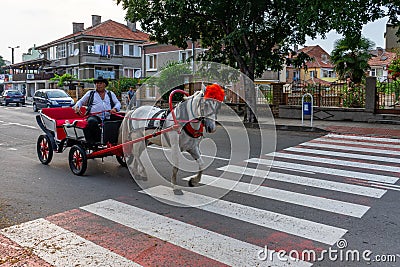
{"x":60,"y":115}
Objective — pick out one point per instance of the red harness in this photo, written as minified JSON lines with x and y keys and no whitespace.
{"x":192,"y":132}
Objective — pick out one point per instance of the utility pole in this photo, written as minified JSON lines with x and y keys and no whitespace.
{"x":12,"y":53}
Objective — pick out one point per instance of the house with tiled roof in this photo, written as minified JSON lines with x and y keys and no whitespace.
{"x":319,"y":69}
{"x":109,"y":49}
{"x":378,"y":63}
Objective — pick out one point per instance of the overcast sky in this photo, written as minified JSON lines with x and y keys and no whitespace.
{"x":29,"y":22}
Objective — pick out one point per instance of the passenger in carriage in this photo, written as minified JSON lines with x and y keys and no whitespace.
{"x":100,"y":103}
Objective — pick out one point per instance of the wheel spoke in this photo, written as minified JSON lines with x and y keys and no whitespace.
{"x":77,"y":160}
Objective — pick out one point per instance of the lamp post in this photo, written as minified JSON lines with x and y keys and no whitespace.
{"x":12,"y":53}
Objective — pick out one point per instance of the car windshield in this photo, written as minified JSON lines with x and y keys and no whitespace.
{"x":13,"y":93}
{"x":57,"y":94}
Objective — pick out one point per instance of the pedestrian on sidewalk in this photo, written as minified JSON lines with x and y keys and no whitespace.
{"x":132,"y":96}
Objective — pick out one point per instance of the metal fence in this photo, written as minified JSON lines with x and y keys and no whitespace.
{"x":388,"y":94}
{"x":336,"y":94}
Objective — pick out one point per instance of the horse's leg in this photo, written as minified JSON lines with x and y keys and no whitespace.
{"x":133,"y":157}
{"x":174,"y":140}
{"x":195,"y":153}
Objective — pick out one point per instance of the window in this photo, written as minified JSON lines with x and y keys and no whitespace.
{"x":328,"y":73}
{"x":184,"y":55}
{"x":61,"y":51}
{"x":375,"y":72}
{"x":70,"y":48}
{"x":130,"y":72}
{"x":372,"y":72}
{"x":51,"y":53}
{"x":132,"y":50}
{"x":324,"y":58}
{"x":110,"y":47}
{"x":151,"y":62}
{"x":313,"y":74}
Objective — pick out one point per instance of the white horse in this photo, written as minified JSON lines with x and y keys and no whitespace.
{"x":195,"y":112}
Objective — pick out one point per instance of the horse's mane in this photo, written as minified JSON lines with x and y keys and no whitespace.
{"x":192,"y":96}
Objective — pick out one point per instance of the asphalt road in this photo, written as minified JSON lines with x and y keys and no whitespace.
{"x":30,"y":190}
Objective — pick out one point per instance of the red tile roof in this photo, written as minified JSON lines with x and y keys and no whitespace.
{"x":108,"y":29}
{"x":381,"y":59}
{"x":317,"y":53}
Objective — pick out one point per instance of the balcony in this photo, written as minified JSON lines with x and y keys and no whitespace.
{"x":31,"y":76}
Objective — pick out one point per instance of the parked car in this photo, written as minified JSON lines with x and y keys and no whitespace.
{"x":12,"y":96}
{"x":51,"y":98}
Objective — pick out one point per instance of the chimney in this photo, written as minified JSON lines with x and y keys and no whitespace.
{"x":96,"y":20}
{"x":77,"y":27}
{"x":379,"y":51}
{"x":131,"y":25}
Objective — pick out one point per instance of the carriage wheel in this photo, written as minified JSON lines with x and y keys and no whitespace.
{"x":44,"y":149}
{"x":121,"y":160}
{"x":77,"y":160}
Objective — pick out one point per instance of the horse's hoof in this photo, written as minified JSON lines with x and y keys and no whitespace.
{"x":193,"y":184}
{"x":178,"y":192}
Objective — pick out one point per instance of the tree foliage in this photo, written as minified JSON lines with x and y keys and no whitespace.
{"x":249,"y":35}
{"x":2,"y":64}
{"x":122,"y":85}
{"x":65,"y":79}
{"x":350,"y":56}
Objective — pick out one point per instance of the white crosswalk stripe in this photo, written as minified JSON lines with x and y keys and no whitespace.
{"x":302,"y":180}
{"x":353,"y":178}
{"x":300,"y":227}
{"x":336,"y":162}
{"x":342,"y":154}
{"x":364,"y":138}
{"x":352,"y":148}
{"x":309,"y":201}
{"x":47,"y":239}
{"x":204,"y":242}
{"x":330,"y":171}
{"x":369,"y":144}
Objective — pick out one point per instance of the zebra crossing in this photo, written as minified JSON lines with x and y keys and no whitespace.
{"x":335,"y":175}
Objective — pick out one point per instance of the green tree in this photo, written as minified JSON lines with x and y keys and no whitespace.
{"x":350,"y":57}
{"x":65,"y":79}
{"x":249,"y":35}
{"x":2,"y":64}
{"x":122,"y":85}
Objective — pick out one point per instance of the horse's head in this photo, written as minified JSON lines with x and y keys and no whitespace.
{"x":213,"y":96}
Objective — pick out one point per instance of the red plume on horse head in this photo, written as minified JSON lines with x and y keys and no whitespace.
{"x":214,"y":91}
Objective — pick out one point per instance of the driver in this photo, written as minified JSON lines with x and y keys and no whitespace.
{"x":100,"y":104}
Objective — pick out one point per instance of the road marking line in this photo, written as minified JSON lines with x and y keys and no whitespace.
{"x":324,"y":139}
{"x":347,"y":163}
{"x":351,"y":148}
{"x":330,"y":171}
{"x":320,"y":203}
{"x":202,"y":241}
{"x":306,"y":181}
{"x":61,"y":247}
{"x":365,"y":138}
{"x":342,"y":154}
{"x":300,"y":227}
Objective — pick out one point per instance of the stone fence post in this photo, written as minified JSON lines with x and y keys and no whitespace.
{"x":277,"y":98}
{"x":370,"y":94}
